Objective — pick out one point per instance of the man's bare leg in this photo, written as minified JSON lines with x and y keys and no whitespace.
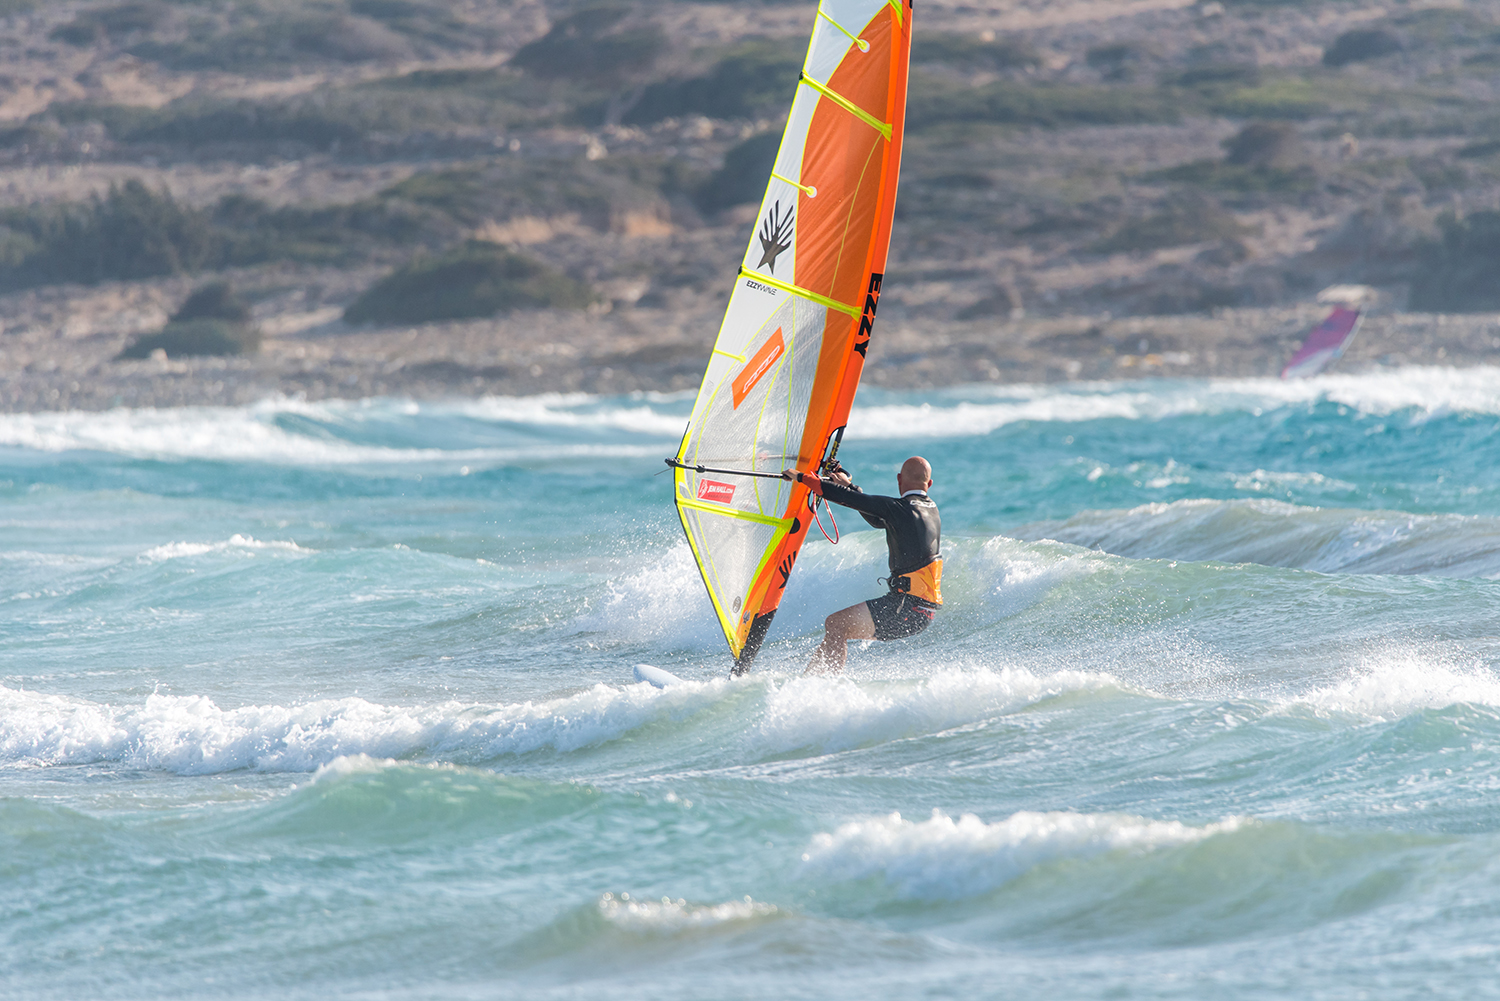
{"x":852,"y":623}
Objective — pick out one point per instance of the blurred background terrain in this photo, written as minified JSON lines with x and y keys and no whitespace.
{"x":207,"y":201}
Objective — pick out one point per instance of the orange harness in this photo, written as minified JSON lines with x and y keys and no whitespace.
{"x":925,"y":584}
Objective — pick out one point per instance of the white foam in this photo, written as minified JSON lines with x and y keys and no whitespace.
{"x":833,"y":714}
{"x":1428,"y":391}
{"x":946,"y":859}
{"x":252,"y":433}
{"x":1405,"y":683}
{"x":662,"y":603}
{"x":667,"y":916}
{"x":193,"y":735}
{"x":1328,"y":540}
{"x":352,"y":764}
{"x":580,"y":410}
{"x":236,"y":542}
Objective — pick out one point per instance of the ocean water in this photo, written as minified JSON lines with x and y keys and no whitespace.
{"x":335,"y":701}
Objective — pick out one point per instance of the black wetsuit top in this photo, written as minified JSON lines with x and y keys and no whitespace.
{"x":913,"y":529}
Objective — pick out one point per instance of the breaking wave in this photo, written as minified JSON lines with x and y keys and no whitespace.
{"x":1274,"y":533}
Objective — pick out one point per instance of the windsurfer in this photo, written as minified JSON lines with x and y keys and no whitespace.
{"x":913,"y":531}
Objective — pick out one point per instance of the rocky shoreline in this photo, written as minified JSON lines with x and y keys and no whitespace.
{"x":58,"y":349}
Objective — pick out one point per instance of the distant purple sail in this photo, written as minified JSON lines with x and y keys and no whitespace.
{"x":1326,"y":342}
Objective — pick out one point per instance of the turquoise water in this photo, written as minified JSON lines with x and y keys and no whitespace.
{"x":335,"y":700}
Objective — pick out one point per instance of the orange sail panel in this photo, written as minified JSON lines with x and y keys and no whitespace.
{"x":789,"y":354}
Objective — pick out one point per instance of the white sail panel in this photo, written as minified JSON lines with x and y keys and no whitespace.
{"x":838,"y":20}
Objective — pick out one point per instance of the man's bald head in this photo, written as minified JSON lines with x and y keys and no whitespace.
{"x":916,"y":474}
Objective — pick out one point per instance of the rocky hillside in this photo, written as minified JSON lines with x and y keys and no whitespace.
{"x":1130,"y":167}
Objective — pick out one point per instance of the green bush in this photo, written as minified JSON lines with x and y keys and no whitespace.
{"x":1216,"y":175}
{"x":1461,"y":271}
{"x":598,"y":192}
{"x":187,"y":338}
{"x":1181,"y":221}
{"x":242,"y":122}
{"x":424,"y":100}
{"x":91,"y":26}
{"x":754,"y":80}
{"x":263,"y":35}
{"x":934,"y":102}
{"x":435,"y":23}
{"x":132,"y":232}
{"x":252,"y":232}
{"x":743,"y":178}
{"x":1286,"y":99}
{"x":1474,"y":151}
{"x":214,"y":301}
{"x":476,"y":279}
{"x":967,"y":52}
{"x":600,"y":45}
{"x":1360,"y":45}
{"x":1116,"y":61}
{"x":1264,"y":144}
{"x":1218,"y":75}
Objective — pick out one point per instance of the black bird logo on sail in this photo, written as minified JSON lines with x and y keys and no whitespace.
{"x":775,"y":236}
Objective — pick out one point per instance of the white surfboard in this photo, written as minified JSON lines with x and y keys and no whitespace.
{"x":656,"y":676}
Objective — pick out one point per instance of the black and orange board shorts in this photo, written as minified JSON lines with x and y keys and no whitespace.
{"x":898,"y":615}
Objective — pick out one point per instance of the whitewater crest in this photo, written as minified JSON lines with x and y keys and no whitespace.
{"x":977,"y":411}
{"x":946,"y":859}
{"x":1401,"y":683}
{"x":235,"y":543}
{"x":666,"y":916}
{"x":192,"y":735}
{"x":835,"y":714}
{"x":296,"y":433}
{"x":1274,"y":533}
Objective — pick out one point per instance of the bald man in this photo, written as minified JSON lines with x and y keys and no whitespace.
{"x":913,"y":531}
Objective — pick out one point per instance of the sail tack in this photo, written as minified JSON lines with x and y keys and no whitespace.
{"x":789,"y":354}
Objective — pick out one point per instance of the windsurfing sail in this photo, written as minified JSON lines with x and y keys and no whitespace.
{"x":1324,"y":343}
{"x":787,"y":361}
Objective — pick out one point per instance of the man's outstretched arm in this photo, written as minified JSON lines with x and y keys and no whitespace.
{"x":874,"y":508}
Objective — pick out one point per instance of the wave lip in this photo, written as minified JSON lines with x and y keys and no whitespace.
{"x":835,"y":714}
{"x":351,"y":434}
{"x":1403,"y":685}
{"x":1274,"y":533}
{"x":236,"y":542}
{"x":669,"y":916}
{"x":191,"y":735}
{"x":946,"y":859}
{"x":1429,"y":391}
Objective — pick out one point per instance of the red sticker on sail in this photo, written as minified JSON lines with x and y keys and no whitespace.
{"x":757,"y":367}
{"x":713,"y":490}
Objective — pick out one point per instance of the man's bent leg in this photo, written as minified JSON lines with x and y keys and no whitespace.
{"x":852,"y":623}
